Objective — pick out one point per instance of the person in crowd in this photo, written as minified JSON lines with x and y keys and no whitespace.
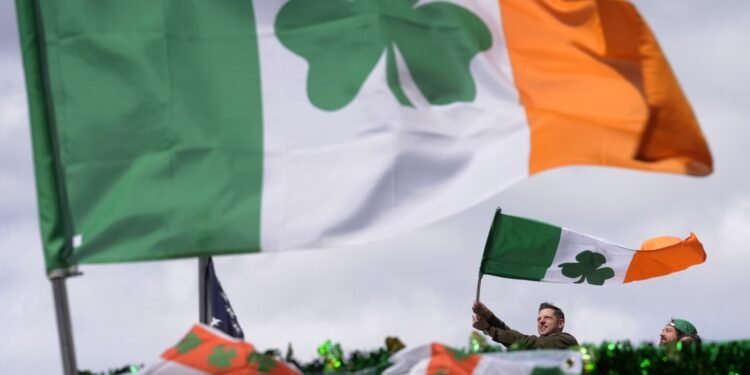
{"x":679,"y":330}
{"x":550,"y":324}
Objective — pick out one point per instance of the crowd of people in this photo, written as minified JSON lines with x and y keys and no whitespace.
{"x":550,"y":325}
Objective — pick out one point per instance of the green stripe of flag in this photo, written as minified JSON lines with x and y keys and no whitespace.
{"x":519,"y":248}
{"x":45,"y":164}
{"x":157,"y":126}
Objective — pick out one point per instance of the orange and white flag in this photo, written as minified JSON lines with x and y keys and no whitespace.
{"x":436,"y":359}
{"x":205,"y":350}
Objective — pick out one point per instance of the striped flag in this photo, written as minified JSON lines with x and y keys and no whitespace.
{"x":167,"y":129}
{"x":520,"y":248}
{"x":436,"y":359}
{"x":205,"y":350}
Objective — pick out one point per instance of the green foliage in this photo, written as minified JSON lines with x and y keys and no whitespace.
{"x":622,"y":358}
{"x":608,"y":358}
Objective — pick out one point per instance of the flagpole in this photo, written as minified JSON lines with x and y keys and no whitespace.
{"x":486,"y":246}
{"x":62,"y":313}
{"x":479,"y":285}
{"x":203,"y":289}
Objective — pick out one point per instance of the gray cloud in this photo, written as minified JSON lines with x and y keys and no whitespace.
{"x":16,"y":172}
{"x":8,"y":28}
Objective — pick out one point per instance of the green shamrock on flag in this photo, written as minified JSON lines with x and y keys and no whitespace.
{"x":190,"y":341}
{"x":458,"y":354}
{"x":342,"y":41}
{"x":265,"y":362}
{"x":221,"y":357}
{"x":547,"y":371}
{"x":588,"y":269}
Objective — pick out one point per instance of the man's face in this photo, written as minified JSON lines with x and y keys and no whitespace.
{"x":668,"y":334}
{"x":547,"y":323}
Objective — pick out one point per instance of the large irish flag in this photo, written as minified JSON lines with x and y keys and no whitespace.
{"x":176,"y":128}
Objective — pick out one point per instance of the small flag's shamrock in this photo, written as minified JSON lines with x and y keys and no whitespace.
{"x":342,"y":41}
{"x":190,"y":341}
{"x":265,"y":362}
{"x":458,"y":355}
{"x":220,"y":357}
{"x":547,"y":371}
{"x":588,"y":269}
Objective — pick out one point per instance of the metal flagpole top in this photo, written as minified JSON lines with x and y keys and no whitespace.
{"x":62,"y":273}
{"x":479,"y":285}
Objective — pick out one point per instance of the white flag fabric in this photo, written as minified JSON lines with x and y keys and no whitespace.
{"x":434,"y":359}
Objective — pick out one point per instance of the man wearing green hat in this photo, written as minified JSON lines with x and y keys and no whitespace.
{"x":679,"y":330}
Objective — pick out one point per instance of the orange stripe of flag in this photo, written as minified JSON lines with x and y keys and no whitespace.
{"x":598,"y":90}
{"x":448,"y":361}
{"x":663,"y":255}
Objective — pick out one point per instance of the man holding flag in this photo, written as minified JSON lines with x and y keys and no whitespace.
{"x":550,"y":324}
{"x":527,"y":249}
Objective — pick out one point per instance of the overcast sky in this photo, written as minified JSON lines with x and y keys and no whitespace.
{"x":417,"y":286}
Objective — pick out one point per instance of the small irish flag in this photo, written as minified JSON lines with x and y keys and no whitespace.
{"x":436,"y":359}
{"x":520,"y":248}
{"x":205,"y":350}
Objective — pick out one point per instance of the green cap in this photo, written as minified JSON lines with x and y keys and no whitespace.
{"x":684,"y":326}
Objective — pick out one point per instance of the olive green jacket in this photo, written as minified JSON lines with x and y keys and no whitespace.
{"x":501,"y":333}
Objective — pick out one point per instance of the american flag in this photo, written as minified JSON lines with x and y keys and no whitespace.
{"x":222,"y":315}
